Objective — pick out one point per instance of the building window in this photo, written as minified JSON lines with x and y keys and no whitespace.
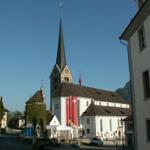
{"x":148,"y":129}
{"x":146,"y":84}
{"x":55,"y":79}
{"x":129,"y":126}
{"x":88,"y":131}
{"x":118,"y":123}
{"x":101,"y":125}
{"x":83,"y":132}
{"x":66,"y":79}
{"x":55,"y":87}
{"x":140,"y":3}
{"x":56,"y":106}
{"x":110,"y":123}
{"x":88,"y":121}
{"x":87,"y":103}
{"x":141,"y":35}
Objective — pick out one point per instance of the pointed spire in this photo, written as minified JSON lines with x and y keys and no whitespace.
{"x":61,"y":57}
{"x":42,"y":83}
{"x":1,"y":98}
{"x":80,"y":80}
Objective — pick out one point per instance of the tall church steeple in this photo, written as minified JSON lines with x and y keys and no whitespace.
{"x":61,"y":57}
{"x":60,"y":72}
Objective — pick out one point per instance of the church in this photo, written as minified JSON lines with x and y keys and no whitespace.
{"x":81,"y":110}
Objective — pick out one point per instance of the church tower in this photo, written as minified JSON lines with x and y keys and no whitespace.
{"x":60,"y":72}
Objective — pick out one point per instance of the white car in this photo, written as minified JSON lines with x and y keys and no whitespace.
{"x":96,"y":141}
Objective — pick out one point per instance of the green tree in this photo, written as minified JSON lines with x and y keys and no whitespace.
{"x":37,"y":112}
{"x":34,"y":122}
{"x":13,"y":118}
{"x":17,"y":114}
{"x":1,"y":110}
{"x":41,"y":124}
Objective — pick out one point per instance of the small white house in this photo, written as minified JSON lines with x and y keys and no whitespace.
{"x":21,"y":122}
{"x":52,"y":126}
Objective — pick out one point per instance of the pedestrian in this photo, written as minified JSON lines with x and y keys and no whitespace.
{"x":116,"y":144}
{"x":34,"y":141}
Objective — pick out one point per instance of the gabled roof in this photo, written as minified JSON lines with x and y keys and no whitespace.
{"x":129,"y":118}
{"x":61,"y":57}
{"x":70,"y":89}
{"x":96,"y":110}
{"x":37,"y":97}
{"x":2,"y":105}
{"x":49,"y":117}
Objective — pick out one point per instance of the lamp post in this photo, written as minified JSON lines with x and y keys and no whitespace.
{"x":121,"y":121}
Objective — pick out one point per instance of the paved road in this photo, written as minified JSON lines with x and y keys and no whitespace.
{"x":83,"y":148}
{"x":9,"y":142}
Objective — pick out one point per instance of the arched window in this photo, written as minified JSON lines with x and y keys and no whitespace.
{"x":101,"y":125}
{"x":110,"y":124}
{"x":88,"y":121}
{"x":88,"y":131}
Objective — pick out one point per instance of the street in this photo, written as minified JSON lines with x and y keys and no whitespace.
{"x":84,"y":148}
{"x":9,"y":142}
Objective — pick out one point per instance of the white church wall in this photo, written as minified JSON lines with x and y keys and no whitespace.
{"x":104,"y":103}
{"x":63,"y":110}
{"x":111,"y":104}
{"x":93,"y":127}
{"x":106,"y":127}
{"x":89,"y":126}
{"x":59,"y":107}
{"x":84,"y":104}
{"x":56,"y":108}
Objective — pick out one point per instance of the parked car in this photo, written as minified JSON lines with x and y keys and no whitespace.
{"x":84,"y":140}
{"x":96,"y":141}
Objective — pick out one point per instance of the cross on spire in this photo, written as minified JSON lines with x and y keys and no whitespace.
{"x":60,"y":8}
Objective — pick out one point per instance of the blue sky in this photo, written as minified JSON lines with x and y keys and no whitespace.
{"x":29,"y":37}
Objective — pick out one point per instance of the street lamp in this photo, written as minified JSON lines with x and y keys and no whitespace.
{"x":121,"y":121}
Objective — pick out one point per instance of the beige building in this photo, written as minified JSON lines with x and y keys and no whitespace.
{"x":36,"y":111}
{"x":137,"y":34}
